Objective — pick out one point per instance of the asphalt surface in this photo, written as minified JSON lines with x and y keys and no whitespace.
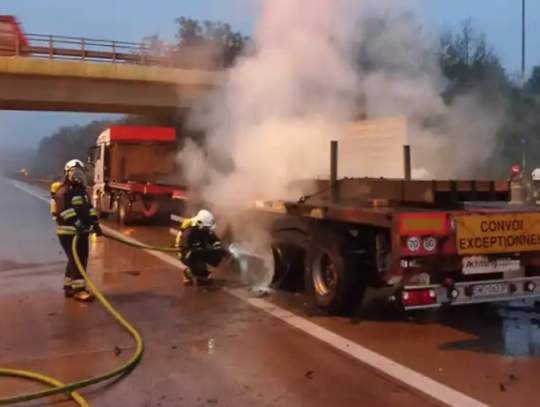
{"x":209,"y":348}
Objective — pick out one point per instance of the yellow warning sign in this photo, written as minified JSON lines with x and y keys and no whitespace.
{"x":508,"y":233}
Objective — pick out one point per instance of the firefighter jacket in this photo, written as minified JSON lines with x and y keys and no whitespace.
{"x":74,"y":211}
{"x":535,"y":193}
{"x":196,"y":242}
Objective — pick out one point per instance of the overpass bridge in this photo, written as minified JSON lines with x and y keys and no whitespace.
{"x":58,"y":73}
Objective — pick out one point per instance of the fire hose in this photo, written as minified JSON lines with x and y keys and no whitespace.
{"x":70,"y":389}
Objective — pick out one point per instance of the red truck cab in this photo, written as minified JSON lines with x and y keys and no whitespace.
{"x":13,"y":42}
{"x":129,"y":165}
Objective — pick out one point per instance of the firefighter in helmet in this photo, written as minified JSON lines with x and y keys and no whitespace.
{"x":535,"y":186}
{"x":516,"y":175}
{"x":75,"y":216}
{"x":200,"y":250}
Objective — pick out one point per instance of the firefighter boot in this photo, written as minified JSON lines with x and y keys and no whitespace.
{"x":68,"y":292}
{"x":188,"y":277}
{"x":204,"y":278}
{"x":78,"y":291}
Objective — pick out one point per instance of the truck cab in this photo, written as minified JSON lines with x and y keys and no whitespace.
{"x":129,"y":163}
{"x":13,"y":42}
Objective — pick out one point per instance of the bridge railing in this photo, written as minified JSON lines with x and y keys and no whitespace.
{"x":113,"y":52}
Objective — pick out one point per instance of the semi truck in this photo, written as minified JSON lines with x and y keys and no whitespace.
{"x":12,"y":39}
{"x":135,"y":174}
{"x":411,"y":243}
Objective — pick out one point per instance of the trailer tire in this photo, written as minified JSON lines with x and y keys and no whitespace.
{"x":288,"y":262}
{"x":99,"y":205}
{"x":123,"y":213}
{"x":330,"y":279}
{"x":279,"y":266}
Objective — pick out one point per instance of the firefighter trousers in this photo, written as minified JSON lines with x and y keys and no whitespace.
{"x":199,"y":262}
{"x":72,"y":271}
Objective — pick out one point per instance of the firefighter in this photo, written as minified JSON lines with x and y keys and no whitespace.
{"x":516,"y":174}
{"x":201,"y":250}
{"x":75,"y":215}
{"x":535,"y":186}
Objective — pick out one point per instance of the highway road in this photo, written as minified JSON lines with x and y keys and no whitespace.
{"x":230,"y":348}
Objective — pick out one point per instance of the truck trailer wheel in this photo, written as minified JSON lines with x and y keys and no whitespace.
{"x":99,"y":206}
{"x":123,"y":214}
{"x":288,"y":266}
{"x":331,"y":282}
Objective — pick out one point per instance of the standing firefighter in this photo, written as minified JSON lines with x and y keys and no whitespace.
{"x":75,"y":216}
{"x":516,"y":175}
{"x":535,"y":187}
{"x":200,"y":248}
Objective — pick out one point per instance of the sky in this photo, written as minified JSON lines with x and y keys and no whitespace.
{"x":130,"y":20}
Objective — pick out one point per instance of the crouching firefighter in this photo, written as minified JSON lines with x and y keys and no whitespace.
{"x":75,"y":216}
{"x":200,"y":250}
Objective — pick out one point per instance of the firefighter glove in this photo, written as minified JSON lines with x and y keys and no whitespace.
{"x":97,"y":229}
{"x":79,"y":226}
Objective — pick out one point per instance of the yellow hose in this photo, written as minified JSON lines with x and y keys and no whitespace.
{"x":70,"y":389}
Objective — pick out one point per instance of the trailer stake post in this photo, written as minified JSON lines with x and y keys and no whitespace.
{"x":334,"y":187}
{"x":407,"y":169}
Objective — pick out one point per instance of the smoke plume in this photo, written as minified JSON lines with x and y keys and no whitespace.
{"x":298,"y":86}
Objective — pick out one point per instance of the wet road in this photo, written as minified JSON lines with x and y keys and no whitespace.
{"x":203,"y":348}
{"x":209,"y":348}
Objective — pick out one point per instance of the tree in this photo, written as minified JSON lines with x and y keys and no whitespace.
{"x":65,"y":144}
{"x":211,"y":35}
{"x":533,"y":83}
{"x":467,"y":60}
{"x":154,"y":45}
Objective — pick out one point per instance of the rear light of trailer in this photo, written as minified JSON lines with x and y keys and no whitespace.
{"x":412,"y":298}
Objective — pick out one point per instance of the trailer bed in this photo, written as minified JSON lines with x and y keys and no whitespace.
{"x":143,"y":188}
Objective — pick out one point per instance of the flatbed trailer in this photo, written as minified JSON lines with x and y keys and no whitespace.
{"x":414,"y":244}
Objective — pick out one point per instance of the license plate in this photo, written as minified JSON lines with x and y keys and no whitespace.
{"x":488,"y":290}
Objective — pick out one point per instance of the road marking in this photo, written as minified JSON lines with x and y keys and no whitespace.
{"x":426,"y":385}
{"x":41,"y":269}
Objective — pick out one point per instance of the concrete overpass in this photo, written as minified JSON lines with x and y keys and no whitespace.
{"x":83,"y":79}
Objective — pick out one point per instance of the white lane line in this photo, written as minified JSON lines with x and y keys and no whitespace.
{"x":44,"y":269}
{"x":430,"y":387}
{"x":29,"y":190}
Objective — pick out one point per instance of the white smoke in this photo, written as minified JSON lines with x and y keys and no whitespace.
{"x":295,"y":89}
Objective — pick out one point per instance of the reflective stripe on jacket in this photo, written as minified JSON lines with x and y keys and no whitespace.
{"x":73,"y":209}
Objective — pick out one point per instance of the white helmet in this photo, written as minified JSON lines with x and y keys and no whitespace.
{"x":536,"y":175}
{"x":73,"y":164}
{"x":204,"y":219}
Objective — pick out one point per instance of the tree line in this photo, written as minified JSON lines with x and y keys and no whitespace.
{"x":465,"y":58}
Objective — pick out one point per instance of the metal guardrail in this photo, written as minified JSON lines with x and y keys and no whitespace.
{"x":115,"y":52}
